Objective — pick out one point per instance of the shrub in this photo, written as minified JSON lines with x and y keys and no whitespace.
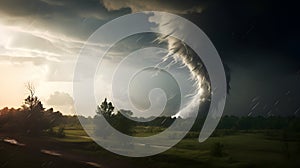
{"x":217,"y":149}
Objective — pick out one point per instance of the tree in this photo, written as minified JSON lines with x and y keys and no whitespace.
{"x":32,"y":118}
{"x":116,"y":120}
{"x":104,"y":110}
{"x":122,"y":122}
{"x":34,"y":113}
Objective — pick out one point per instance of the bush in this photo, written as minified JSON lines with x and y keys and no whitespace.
{"x":217,"y":149}
{"x":60,"y":133}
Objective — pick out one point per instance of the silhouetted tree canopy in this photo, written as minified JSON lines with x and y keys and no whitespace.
{"x":117,"y":120}
{"x":31,"y":119}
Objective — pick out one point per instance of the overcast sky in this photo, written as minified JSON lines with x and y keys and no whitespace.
{"x":257,"y":40}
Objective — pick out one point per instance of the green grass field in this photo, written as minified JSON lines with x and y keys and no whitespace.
{"x":264,"y":148}
{"x":239,"y":149}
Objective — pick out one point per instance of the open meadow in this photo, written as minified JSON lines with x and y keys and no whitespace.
{"x":226,"y":148}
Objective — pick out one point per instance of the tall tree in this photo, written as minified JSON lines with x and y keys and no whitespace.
{"x":117,"y":120}
{"x":34,"y":116}
{"x":104,"y":110}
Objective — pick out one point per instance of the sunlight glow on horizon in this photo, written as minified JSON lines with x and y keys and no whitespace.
{"x":20,"y":65}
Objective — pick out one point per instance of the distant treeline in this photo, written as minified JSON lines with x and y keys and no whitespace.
{"x":259,"y":122}
{"x":227,"y":122}
{"x":37,"y":119}
{"x":33,"y":120}
{"x":237,"y":123}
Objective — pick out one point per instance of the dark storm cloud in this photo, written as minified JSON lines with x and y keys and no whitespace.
{"x":258,"y":41}
{"x":245,"y":26}
{"x":174,"y":6}
{"x":266,"y":87}
{"x":46,"y":8}
{"x":231,"y":25}
{"x":73,"y":18}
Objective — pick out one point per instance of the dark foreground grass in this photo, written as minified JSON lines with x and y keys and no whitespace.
{"x":12,"y":156}
{"x":241,"y":149}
